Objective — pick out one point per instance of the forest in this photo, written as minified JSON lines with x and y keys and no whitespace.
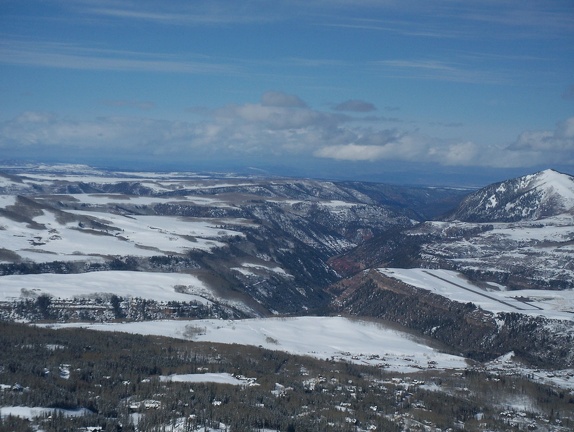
{"x":117,"y":382}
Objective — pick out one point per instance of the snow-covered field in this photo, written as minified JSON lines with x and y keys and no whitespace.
{"x":555,"y":304}
{"x":133,"y":235}
{"x":218,"y":378}
{"x":162,"y":287}
{"x":32,"y":412}
{"x":556,"y":228}
{"x":245,"y":266}
{"x":104,"y":199}
{"x":339,"y":338}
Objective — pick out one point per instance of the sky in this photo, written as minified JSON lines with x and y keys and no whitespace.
{"x":453,"y":92}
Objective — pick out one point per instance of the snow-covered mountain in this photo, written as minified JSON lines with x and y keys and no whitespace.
{"x":514,"y":237}
{"x":264,"y":240}
{"x":518,"y":232}
{"x":83,"y":244}
{"x":194,"y":256}
{"x":531,"y":197}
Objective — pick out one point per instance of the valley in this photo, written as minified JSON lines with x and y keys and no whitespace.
{"x":405,"y":284}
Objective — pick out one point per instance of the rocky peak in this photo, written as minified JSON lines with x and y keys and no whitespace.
{"x":535,"y":196}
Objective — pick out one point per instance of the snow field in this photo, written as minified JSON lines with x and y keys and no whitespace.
{"x":551,"y":304}
{"x":560,"y":185}
{"x":338,"y":338}
{"x":32,"y":412}
{"x":153,"y":286}
{"x":104,"y":199}
{"x":218,"y":378}
{"x":135,"y":235}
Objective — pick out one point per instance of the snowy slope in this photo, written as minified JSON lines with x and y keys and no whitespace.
{"x":524,"y":254}
{"x":358,"y":341}
{"x":551,"y":304}
{"x":54,"y":239}
{"x":536,"y":196}
{"x":97,"y":288}
{"x":153,"y":286}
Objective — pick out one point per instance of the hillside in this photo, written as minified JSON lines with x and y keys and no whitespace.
{"x":517,"y":233}
{"x":256,"y":246}
{"x":533,"y":197}
{"x":539,"y":335}
{"x":366,"y":281}
{"x":146,"y":384}
{"x":495,"y":276}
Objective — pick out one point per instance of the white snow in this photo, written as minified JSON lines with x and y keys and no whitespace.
{"x":243,"y":271}
{"x":154,"y":286}
{"x":7,"y":183}
{"x":333,"y":204}
{"x":543,"y":247}
{"x":275,"y":269}
{"x":509,"y":366}
{"x":339,"y":338}
{"x":219,"y":378}
{"x":7,"y":200}
{"x":133,"y":235}
{"x":103,"y":199}
{"x":556,"y":304}
{"x":33,"y":412}
{"x":338,"y":204}
{"x":491,"y":202}
{"x":165,"y":232}
{"x":557,"y":184}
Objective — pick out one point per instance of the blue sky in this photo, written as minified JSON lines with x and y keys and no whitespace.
{"x":449,"y":91}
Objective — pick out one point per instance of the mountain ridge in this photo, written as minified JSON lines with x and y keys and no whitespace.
{"x":531,"y":197}
{"x":254,"y":246}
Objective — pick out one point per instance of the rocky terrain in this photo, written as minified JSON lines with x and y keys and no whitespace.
{"x":476,"y":333}
{"x":483,"y":278}
{"x":493,"y":243}
{"x":517,"y":235}
{"x":533,"y":197}
{"x":261,"y":239}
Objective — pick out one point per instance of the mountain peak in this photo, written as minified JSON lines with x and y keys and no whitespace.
{"x":531,"y":197}
{"x":562,"y":184}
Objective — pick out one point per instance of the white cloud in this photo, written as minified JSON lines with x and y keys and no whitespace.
{"x":45,"y":130}
{"x":530,"y":149}
{"x":209,"y":12}
{"x":436,"y":70}
{"x":278,"y":117}
{"x":351,"y":152}
{"x":461,"y":153}
{"x":267,"y":130}
{"x":405,"y":147}
{"x":560,"y":140}
{"x":552,"y":15}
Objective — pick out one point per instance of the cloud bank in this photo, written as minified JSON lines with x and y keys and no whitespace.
{"x":279,"y":126}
